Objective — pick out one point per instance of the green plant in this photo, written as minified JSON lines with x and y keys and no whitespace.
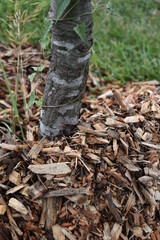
{"x":13,"y":100}
{"x":17,"y":36}
{"x":7,"y":8}
{"x":36,"y":73}
{"x":45,"y":40}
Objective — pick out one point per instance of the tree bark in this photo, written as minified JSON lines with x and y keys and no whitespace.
{"x":68,"y":72}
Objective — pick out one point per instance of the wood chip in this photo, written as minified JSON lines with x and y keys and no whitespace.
{"x":89,"y":130}
{"x":57,"y":152}
{"x":15,"y":230}
{"x":116,"y":231}
{"x":12,"y":147}
{"x":68,"y":234}
{"x":114,"y":123}
{"x":113,"y":134}
{"x":37,"y":148}
{"x":53,"y":169}
{"x":152,"y":172}
{"x":15,"y":189}
{"x":151,"y":145}
{"x":106,"y":232}
{"x":148,"y":196}
{"x":137,"y":231}
{"x":130,"y":203}
{"x":94,"y":158}
{"x":18,"y":206}
{"x":68,"y":192}
{"x":43,"y":213}
{"x":57,"y":233}
{"x":3,"y":209}
{"x":137,"y":192}
{"x":109,"y":93}
{"x":113,"y":208}
{"x":134,"y":119}
{"x":115,"y":147}
{"x":51,"y":213}
{"x":118,"y":96}
{"x":145,"y":108}
{"x":15,"y":177}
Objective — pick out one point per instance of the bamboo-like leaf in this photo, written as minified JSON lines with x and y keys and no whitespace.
{"x":38,"y":69}
{"x":39,"y":102}
{"x":45,"y":41}
{"x":31,"y":77}
{"x":32,"y":99}
{"x":81,"y":32}
{"x":61,"y":6}
{"x":94,"y":57}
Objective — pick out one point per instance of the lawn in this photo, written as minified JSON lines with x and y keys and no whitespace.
{"x":127,"y":40}
{"x":126,"y":37}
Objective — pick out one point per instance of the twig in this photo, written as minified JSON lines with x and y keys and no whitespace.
{"x":112,"y":208}
{"x":119,"y":99}
{"x":68,"y":192}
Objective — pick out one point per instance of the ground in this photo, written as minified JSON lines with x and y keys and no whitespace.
{"x":101,"y":182}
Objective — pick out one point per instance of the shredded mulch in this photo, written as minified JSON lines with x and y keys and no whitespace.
{"x":101,"y":182}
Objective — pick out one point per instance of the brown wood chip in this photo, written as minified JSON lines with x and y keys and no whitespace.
{"x":68,"y":192}
{"x":53,"y":169}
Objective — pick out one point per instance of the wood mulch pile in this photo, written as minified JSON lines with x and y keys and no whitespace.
{"x":102,"y":182}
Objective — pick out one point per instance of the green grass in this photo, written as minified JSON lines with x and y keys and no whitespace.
{"x":14,"y":104}
{"x":126,"y":41}
{"x":7,"y":8}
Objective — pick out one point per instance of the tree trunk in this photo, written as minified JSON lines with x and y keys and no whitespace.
{"x":68,"y":72}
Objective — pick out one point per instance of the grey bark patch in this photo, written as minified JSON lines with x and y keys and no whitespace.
{"x":67,"y":76}
{"x":68,"y":46}
{"x":82,"y":59}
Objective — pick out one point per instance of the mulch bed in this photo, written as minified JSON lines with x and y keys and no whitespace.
{"x":101,"y":182}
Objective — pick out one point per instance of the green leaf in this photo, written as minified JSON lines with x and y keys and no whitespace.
{"x":61,"y":6}
{"x":48,"y":24}
{"x":39,"y":102}
{"x":45,"y":40}
{"x":44,"y":43}
{"x":31,"y":77}
{"x":110,"y":9}
{"x":81,"y":32}
{"x":35,"y":68}
{"x":8,"y":127}
{"x":38,"y":69}
{"x":94,"y":57}
{"x":32,"y":99}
